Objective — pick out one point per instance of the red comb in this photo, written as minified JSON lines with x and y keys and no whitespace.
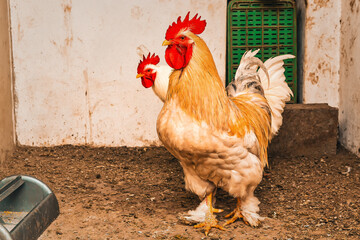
{"x":154,"y":59}
{"x":195,"y":25}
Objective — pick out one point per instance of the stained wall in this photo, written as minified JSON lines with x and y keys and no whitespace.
{"x":349,"y":107}
{"x":321,"y":66}
{"x":75,"y":66}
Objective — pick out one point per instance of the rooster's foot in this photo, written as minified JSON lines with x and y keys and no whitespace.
{"x":236,"y":214}
{"x":210,"y":219}
{"x":210,"y":222}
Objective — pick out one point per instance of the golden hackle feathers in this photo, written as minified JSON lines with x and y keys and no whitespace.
{"x":254,"y":114}
{"x":199,"y":92}
{"x":196,"y":96}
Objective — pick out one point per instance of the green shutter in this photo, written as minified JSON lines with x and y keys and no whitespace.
{"x":268,"y":25}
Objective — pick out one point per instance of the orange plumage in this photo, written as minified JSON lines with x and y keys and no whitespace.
{"x":209,"y":102}
{"x":220,"y":141}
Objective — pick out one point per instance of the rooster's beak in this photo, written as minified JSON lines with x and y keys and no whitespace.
{"x":166,"y":43}
{"x":139,"y":75}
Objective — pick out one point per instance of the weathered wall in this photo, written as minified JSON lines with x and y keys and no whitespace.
{"x":322,"y":55}
{"x":75,"y":66}
{"x":6,"y":109}
{"x":349,"y":110}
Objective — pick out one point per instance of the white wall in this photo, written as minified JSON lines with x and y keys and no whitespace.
{"x":331,"y":63}
{"x":75,"y":66}
{"x":349,"y":110}
{"x":322,"y":55}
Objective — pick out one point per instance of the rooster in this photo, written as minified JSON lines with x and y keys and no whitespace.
{"x":161,"y":82}
{"x":153,"y":75}
{"x":220,"y":140}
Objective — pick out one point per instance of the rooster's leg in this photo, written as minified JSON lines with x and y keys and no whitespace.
{"x":236,"y":214}
{"x":210,"y":219}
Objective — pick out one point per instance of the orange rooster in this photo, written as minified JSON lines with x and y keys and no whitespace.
{"x":220,"y":140}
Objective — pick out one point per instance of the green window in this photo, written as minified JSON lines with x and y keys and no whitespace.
{"x":268,"y":25}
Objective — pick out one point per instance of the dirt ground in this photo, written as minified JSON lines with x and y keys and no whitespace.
{"x":137,"y":193}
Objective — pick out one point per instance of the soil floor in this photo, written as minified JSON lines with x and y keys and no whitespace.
{"x":137,"y":193}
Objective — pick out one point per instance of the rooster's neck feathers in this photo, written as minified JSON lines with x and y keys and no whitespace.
{"x":161,"y":82}
{"x":198,"y":87}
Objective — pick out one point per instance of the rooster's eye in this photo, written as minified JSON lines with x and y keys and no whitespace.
{"x":182,"y":37}
{"x":148,"y":70}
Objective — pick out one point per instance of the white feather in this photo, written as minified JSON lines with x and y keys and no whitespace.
{"x":250,"y":209}
{"x":243,"y":62}
{"x":197,"y":215}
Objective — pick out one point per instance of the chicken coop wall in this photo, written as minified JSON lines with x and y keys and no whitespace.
{"x":349,"y":109}
{"x":75,"y":65}
{"x":6,"y":107}
{"x":321,"y":66}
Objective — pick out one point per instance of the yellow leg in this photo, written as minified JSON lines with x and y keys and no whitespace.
{"x":210,"y":219}
{"x":236,"y":214}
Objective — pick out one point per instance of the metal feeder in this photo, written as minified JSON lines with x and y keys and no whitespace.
{"x":27,"y":208}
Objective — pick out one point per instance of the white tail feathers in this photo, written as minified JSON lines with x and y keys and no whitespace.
{"x":247,"y":79}
{"x":244,"y":62}
{"x":277,"y":92}
{"x":249,"y":64}
{"x":270,"y":77}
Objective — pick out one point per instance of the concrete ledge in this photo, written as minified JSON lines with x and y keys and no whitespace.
{"x":307,"y":130}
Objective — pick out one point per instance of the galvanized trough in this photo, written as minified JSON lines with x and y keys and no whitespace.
{"x":27,"y":208}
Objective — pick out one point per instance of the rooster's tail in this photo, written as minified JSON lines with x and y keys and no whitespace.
{"x":277,"y":92}
{"x":246,"y":78}
{"x":268,"y":81}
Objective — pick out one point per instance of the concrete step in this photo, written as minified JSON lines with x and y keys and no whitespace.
{"x":307,"y":130}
